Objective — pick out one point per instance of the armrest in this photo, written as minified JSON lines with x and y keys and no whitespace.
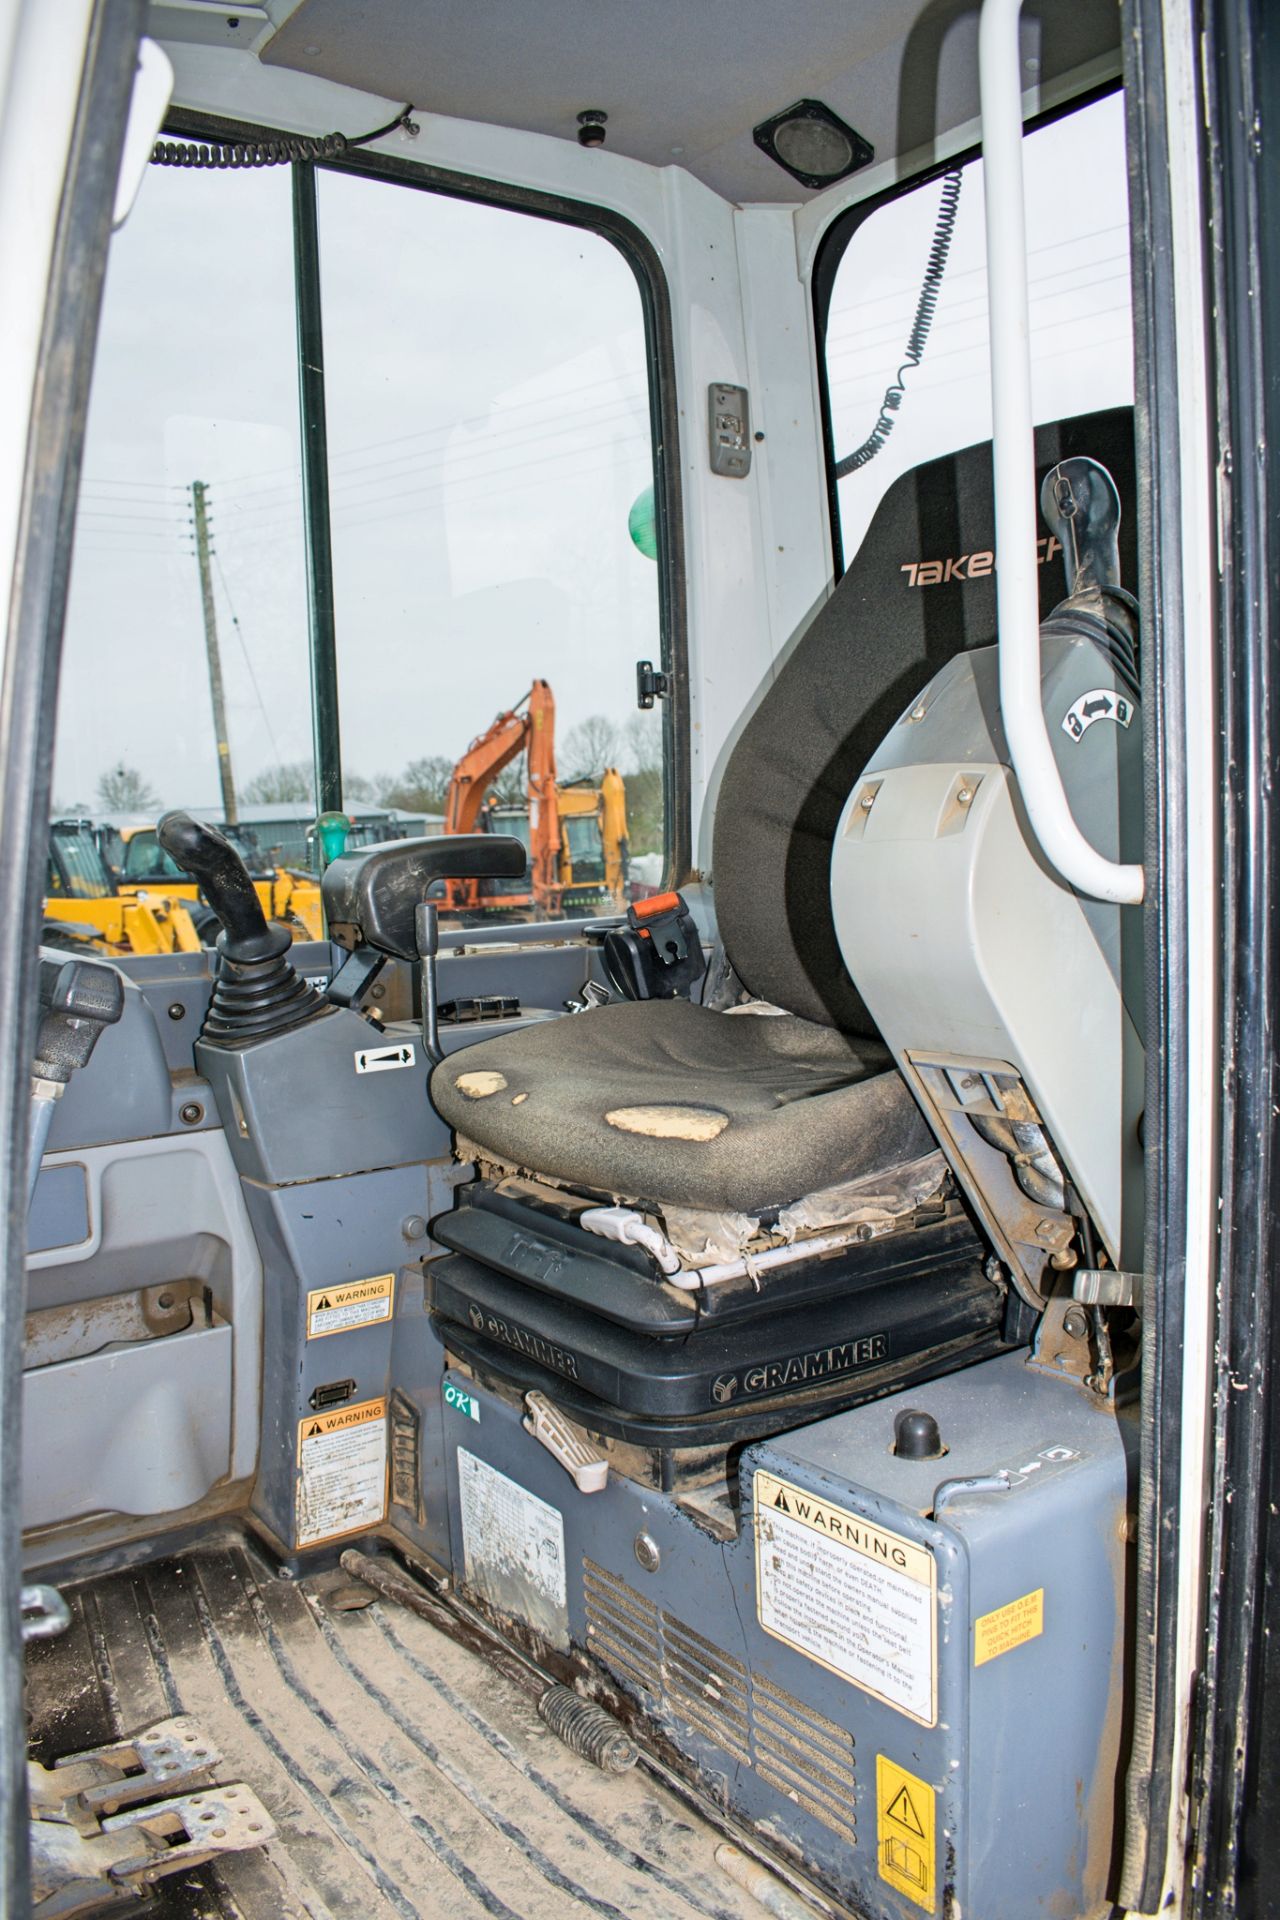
{"x":370,"y":895}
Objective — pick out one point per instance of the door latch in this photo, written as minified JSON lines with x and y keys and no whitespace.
{"x":651,"y":684}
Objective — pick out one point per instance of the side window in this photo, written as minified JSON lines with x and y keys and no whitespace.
{"x":180,"y":582}
{"x":1080,"y":306}
{"x":490,"y":458}
{"x":493,"y":544}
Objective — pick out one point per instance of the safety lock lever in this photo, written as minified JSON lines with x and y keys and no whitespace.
{"x":568,"y":1443}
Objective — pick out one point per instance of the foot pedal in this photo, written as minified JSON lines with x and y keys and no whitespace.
{"x":568,"y":1443}
{"x":171,"y":1756}
{"x":106,"y":1824}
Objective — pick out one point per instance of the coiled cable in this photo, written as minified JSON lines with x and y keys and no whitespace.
{"x":926,"y":307}
{"x":277,"y":152}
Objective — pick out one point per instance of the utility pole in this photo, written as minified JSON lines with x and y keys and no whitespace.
{"x":198,"y":501}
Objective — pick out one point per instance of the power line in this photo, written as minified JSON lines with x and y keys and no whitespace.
{"x":438,"y":489}
{"x":235,"y":621}
{"x":475,"y":419}
{"x":409,"y":463}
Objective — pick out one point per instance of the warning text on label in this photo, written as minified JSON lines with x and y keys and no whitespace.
{"x":1008,"y":1627}
{"x":357,"y":1303}
{"x":342,"y":1472}
{"x":859,"y":1600}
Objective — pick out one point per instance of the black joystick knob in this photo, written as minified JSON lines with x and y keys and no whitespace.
{"x":257,"y":993}
{"x":916,"y":1436}
{"x":1081,"y":507}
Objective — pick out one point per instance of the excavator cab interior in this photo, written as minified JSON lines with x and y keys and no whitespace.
{"x":658,"y":1350}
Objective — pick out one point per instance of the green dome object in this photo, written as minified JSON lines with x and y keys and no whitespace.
{"x":332,"y":829}
{"x":642,"y":525}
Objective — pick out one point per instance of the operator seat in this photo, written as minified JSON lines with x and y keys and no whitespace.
{"x":675,"y":1104}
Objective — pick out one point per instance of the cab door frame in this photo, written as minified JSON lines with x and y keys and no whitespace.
{"x":66,"y":80}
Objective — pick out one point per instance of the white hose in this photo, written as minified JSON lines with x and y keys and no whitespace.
{"x":1017,"y":577}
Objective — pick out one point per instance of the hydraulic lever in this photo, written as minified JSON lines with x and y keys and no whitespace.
{"x":426,"y":928}
{"x":78,"y":1002}
{"x":257,"y":994}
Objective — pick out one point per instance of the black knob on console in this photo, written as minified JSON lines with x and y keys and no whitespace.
{"x":916,"y":1436}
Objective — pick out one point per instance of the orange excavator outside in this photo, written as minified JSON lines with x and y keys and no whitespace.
{"x":529,"y":727}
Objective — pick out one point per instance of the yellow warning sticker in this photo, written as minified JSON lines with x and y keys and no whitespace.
{"x":853,"y":1596}
{"x":342,"y":1472}
{"x":1008,"y":1627}
{"x":905,"y":1821}
{"x":358,"y":1303}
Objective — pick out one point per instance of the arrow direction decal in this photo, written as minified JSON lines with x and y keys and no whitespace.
{"x":385,"y":1059}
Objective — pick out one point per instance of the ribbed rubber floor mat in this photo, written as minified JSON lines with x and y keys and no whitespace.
{"x":404,"y":1776}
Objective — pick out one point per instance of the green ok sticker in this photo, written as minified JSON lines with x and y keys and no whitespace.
{"x":461,"y":1402}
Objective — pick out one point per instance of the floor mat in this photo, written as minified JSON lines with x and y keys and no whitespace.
{"x":405,"y":1777}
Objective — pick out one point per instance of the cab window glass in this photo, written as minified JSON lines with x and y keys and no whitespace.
{"x":174,"y":575}
{"x":1080,"y":304}
{"x":490,"y":462}
{"x":491,"y":510}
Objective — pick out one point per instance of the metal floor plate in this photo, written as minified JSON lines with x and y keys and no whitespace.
{"x":405,"y":1777}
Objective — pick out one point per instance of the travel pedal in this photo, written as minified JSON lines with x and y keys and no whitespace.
{"x":107,"y":1823}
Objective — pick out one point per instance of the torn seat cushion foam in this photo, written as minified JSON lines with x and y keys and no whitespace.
{"x":669,"y":1102}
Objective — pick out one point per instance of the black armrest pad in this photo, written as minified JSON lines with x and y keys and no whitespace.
{"x":375,"y":889}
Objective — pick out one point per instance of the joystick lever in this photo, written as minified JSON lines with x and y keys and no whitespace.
{"x":1081,"y":507}
{"x":257,"y":994}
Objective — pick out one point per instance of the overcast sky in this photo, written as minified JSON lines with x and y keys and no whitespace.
{"x":488,"y":433}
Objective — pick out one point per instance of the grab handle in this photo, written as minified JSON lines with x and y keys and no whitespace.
{"x":1017,"y":577}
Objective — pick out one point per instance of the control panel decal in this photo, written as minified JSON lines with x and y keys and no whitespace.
{"x":357,"y":1303}
{"x":342,"y":1472}
{"x":906,"y":1849}
{"x":856,"y":1598}
{"x":384,"y":1059}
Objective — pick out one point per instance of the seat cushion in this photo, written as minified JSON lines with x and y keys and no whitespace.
{"x":671,"y":1103}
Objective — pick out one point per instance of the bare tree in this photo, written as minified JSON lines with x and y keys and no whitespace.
{"x":642,"y":743}
{"x":123,"y":790}
{"x":422,"y":787}
{"x":588,"y":749}
{"x":511,"y":788}
{"x":274,"y":786}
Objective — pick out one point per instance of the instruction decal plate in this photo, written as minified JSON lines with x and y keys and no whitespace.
{"x":357,"y":1303}
{"x":1008,"y":1627}
{"x":859,"y":1600}
{"x":385,"y":1059}
{"x":1100,"y":703}
{"x":342,"y":1472}
{"x":512,"y":1546}
{"x":906,"y":1847}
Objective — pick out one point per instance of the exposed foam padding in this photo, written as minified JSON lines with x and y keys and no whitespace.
{"x":750,"y":1113}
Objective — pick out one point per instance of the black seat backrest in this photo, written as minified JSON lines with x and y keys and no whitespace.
{"x":920,"y":588}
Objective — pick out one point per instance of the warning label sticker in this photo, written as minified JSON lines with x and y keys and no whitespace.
{"x":512,"y":1545}
{"x":1008,"y":1627}
{"x":905,"y":1821}
{"x":859,"y":1600}
{"x":342,"y":1472}
{"x":358,"y":1303}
